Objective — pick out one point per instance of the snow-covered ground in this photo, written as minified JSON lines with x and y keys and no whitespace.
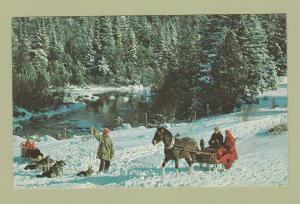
{"x":263,"y":158}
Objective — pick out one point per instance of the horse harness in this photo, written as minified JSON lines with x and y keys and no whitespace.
{"x":172,"y":145}
{"x":213,"y":156}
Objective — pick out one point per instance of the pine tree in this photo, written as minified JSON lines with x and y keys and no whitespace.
{"x":229,"y":74}
{"x":78,"y":77}
{"x":132,"y":57}
{"x":252,"y":39}
{"x":274,"y":26}
{"x":58,"y":72}
{"x":40,"y":63}
{"x":179,"y":82}
{"x":104,"y":68}
{"x":88,"y":60}
{"x":24,"y":74}
{"x":210,"y":38}
{"x":142,"y":29}
{"x":107,"y":42}
{"x":119,"y":51}
{"x":156,"y":38}
{"x":56,"y":49}
{"x":44,"y":35}
{"x":162,"y":50}
{"x":172,"y":42}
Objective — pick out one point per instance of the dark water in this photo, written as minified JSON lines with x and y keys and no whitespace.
{"x":111,"y":110}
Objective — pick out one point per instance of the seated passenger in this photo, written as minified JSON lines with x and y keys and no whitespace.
{"x":216,"y":140}
{"x":32,"y":150}
{"x":227,"y":153}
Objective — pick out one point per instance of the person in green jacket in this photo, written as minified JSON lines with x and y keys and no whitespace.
{"x":105,"y":150}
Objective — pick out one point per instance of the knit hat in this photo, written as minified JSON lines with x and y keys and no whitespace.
{"x":106,"y":131}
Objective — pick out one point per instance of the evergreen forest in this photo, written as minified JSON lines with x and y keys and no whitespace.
{"x":191,"y":62}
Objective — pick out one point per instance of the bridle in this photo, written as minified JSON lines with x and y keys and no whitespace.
{"x":171,"y":145}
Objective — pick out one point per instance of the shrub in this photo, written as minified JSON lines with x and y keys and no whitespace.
{"x":247,"y":111}
{"x":278,"y":129}
{"x":274,"y":104}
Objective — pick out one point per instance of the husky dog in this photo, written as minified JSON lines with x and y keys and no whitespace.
{"x":44,"y":164}
{"x":30,"y":166}
{"x":55,"y":170}
{"x":86,"y":173}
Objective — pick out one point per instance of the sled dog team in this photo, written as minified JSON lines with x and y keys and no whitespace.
{"x":105,"y":153}
{"x":224,"y":149}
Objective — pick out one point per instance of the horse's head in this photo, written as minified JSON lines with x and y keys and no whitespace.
{"x":158,"y":136}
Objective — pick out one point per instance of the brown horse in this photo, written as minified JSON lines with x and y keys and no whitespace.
{"x":176,"y":149}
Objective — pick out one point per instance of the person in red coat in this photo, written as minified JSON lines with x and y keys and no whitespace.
{"x":32,"y":150}
{"x":227,"y":153}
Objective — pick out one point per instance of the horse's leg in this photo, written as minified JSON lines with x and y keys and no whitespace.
{"x":211,"y":161}
{"x":194,"y":158}
{"x":190,"y":163}
{"x":200,"y":165}
{"x":164,"y":165}
{"x":176,"y":166}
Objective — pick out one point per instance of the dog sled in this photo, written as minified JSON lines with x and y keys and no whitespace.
{"x":25,"y":153}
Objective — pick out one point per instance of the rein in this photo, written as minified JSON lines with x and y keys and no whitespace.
{"x":193,"y":151}
{"x":172,"y":144}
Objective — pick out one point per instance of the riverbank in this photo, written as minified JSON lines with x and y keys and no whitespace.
{"x":76,"y":98}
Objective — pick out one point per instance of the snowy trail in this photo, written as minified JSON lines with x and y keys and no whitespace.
{"x":263,"y":158}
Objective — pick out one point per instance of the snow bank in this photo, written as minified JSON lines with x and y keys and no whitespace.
{"x":124,"y":126}
{"x":18,"y":139}
{"x":48,"y":138}
{"x":76,"y":91}
{"x":27,"y":115}
{"x":45,"y":115}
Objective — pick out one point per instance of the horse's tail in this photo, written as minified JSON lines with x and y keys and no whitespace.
{"x":194,"y":152}
{"x":196,"y":148}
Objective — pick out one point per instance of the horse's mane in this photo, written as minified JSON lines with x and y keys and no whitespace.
{"x":167,"y":131}
{"x":180,"y":139}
